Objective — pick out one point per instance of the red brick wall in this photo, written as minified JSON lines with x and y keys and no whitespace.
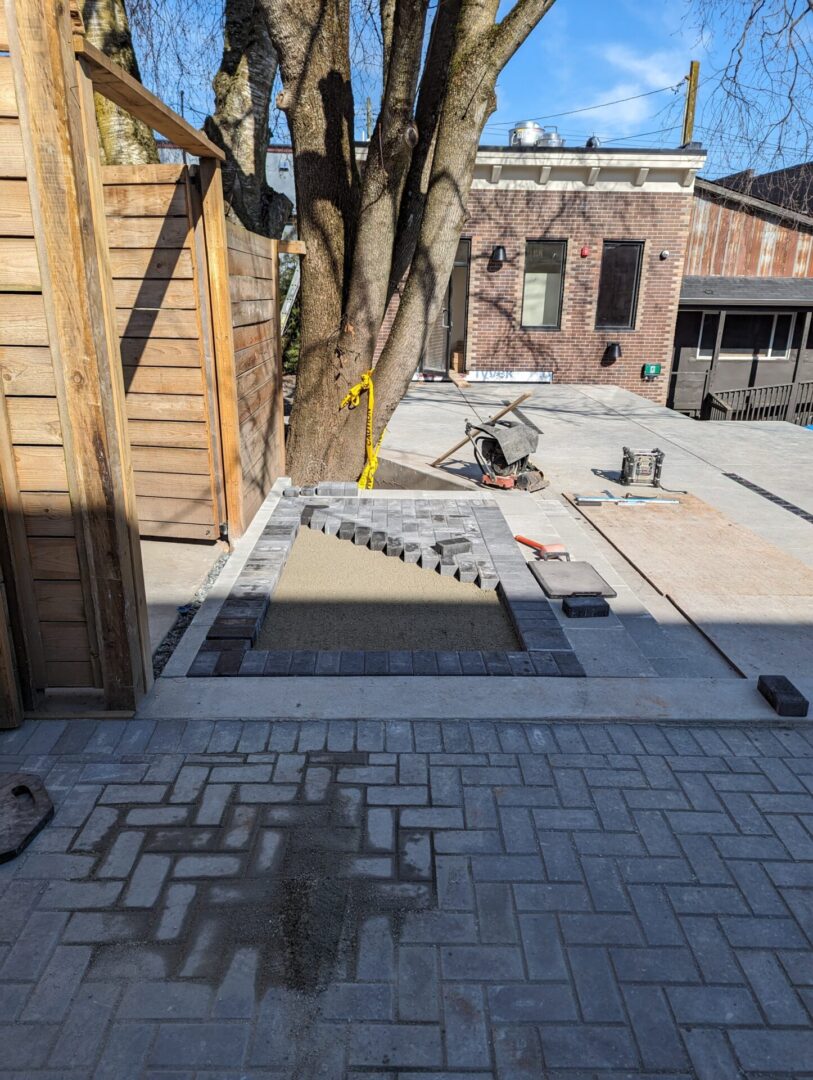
{"x":495,"y":338}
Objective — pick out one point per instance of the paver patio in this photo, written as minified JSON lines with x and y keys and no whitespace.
{"x":254,"y":899}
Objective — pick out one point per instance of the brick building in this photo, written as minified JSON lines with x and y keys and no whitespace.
{"x":567,"y":254}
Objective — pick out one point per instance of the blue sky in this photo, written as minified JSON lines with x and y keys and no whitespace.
{"x":584,"y":53}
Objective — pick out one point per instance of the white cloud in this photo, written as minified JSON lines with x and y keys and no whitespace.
{"x":638,"y":73}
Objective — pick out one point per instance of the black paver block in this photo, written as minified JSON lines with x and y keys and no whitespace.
{"x":544,"y":663}
{"x":303,"y":662}
{"x":782,"y":695}
{"x":424,"y":662}
{"x":456,"y":545}
{"x":378,"y":540}
{"x":346,"y":530}
{"x":375,"y":663}
{"x":497,"y":663}
{"x":352,"y":662}
{"x":448,"y":663}
{"x":472,"y":662}
{"x":278,"y":662}
{"x":327,"y":662}
{"x":362,"y":535}
{"x":399,"y":662}
{"x":568,"y":664}
{"x":585,"y":607}
{"x":253,"y":662}
{"x":203,"y":665}
{"x":229,"y":661}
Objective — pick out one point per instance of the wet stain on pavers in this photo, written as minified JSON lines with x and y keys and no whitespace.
{"x":292,"y":881}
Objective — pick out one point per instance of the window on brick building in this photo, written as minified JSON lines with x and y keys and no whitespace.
{"x":618,"y":284}
{"x":542,"y":285}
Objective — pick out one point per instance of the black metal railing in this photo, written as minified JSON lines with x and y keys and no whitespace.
{"x":787,"y":401}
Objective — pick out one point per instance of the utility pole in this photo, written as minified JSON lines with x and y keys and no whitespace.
{"x":183,"y":152}
{"x":369,"y":119}
{"x":691,"y":100}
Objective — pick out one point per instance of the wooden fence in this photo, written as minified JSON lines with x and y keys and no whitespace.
{"x":158,"y":262}
{"x":140,"y":386}
{"x":254,"y":293}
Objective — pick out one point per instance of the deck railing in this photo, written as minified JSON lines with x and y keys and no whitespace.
{"x":787,"y":401}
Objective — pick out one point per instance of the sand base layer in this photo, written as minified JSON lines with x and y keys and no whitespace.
{"x":335,"y":595}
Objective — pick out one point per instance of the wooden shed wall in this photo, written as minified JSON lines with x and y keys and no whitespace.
{"x":52,"y":600}
{"x":728,"y":240}
{"x":158,"y":260}
{"x":254,"y":291}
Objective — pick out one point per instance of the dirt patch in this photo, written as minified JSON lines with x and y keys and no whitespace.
{"x":335,"y":595}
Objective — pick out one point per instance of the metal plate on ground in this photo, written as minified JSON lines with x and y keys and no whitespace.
{"x":25,"y":808}
{"x":560,"y":579}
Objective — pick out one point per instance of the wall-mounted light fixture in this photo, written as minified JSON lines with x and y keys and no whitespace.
{"x":498,"y":255}
{"x":585,"y":251}
{"x":664,"y":255}
{"x":612,"y":354}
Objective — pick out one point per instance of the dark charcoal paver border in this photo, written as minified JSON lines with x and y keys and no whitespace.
{"x":411,"y":529}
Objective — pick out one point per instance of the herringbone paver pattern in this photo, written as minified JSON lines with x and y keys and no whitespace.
{"x":412,"y":900}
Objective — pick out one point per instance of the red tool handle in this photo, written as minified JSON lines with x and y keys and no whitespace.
{"x":530,"y":543}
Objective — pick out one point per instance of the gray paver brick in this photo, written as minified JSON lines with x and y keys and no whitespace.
{"x":203,"y":1045}
{"x":418,"y":997}
{"x":649,"y":915}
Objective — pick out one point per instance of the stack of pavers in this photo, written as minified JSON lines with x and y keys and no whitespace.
{"x":436,"y":534}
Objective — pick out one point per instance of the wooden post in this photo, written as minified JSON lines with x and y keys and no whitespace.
{"x":691,"y":102}
{"x":69,"y":228}
{"x":11,"y":713}
{"x":277,"y":316}
{"x":217,"y":261}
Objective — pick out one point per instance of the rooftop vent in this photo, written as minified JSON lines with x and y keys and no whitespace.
{"x":529,"y":133}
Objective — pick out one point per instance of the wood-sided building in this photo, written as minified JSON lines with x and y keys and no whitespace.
{"x":743,"y":339}
{"x":140,"y":369}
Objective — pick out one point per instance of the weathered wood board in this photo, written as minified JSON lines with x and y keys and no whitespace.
{"x":161,"y":323}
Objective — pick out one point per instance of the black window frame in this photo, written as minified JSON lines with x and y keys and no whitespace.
{"x":630,"y":324}
{"x":543,"y":326}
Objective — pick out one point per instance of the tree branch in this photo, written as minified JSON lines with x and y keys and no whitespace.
{"x":516,"y":26}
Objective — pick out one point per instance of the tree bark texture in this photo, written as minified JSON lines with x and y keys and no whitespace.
{"x":123,"y":139}
{"x":242,"y":88}
{"x":396,"y":223}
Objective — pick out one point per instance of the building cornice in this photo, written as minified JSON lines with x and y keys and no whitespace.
{"x":562,"y":169}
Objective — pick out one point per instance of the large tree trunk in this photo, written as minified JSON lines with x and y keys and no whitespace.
{"x":123,"y":139}
{"x":401,"y":221}
{"x":242,"y":89}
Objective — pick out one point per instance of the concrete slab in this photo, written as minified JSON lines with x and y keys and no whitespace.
{"x":583,"y":431}
{"x":174,"y":570}
{"x":475,"y":697}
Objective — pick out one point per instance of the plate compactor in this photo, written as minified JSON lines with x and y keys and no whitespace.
{"x":503,"y":451}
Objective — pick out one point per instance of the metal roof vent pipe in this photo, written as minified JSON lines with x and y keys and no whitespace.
{"x":593,"y":143}
{"x":529,"y":133}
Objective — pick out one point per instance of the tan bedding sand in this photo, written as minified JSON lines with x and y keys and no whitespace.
{"x":334,"y":595}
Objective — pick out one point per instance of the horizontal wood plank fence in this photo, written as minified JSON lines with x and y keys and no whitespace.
{"x":254,"y":294}
{"x":140,"y":373}
{"x":158,"y":264}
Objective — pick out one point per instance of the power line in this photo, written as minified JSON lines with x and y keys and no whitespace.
{"x":590,"y":108}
